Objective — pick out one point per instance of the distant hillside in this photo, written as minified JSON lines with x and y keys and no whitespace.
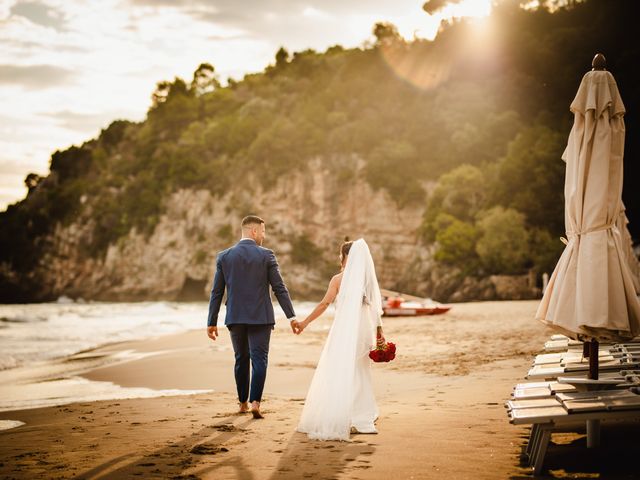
{"x":445,"y":155}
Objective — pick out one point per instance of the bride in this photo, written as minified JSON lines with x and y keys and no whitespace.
{"x":340,"y":399}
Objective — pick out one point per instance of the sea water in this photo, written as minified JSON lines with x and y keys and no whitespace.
{"x":33,"y":336}
{"x":34,"y":332}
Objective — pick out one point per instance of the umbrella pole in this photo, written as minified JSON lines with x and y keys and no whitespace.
{"x":593,"y":426}
{"x":593,"y":359}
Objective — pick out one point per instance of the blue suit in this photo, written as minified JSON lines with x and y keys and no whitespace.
{"x":246,"y":271}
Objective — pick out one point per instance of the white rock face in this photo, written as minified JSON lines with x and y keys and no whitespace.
{"x":196,"y":225}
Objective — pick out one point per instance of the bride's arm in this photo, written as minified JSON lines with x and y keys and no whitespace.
{"x":329,"y":297}
{"x":380,"y":340}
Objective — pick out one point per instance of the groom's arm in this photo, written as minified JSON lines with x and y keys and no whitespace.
{"x":217,"y":292}
{"x":279,"y":288}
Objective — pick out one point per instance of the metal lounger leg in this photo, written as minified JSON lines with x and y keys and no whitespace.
{"x":536,"y":446}
{"x":542,"y":450}
{"x":593,"y":433}
{"x":533,"y":439}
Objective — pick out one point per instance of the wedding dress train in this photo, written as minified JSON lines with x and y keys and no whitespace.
{"x":341,"y":395}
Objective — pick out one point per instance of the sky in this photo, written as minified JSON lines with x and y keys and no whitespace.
{"x":70,"y":67}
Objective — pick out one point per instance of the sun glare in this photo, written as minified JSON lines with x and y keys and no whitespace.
{"x":430,"y":68}
{"x":468,"y":8}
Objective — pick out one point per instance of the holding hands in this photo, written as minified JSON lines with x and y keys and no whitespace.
{"x":300,"y":326}
{"x":295,"y":326}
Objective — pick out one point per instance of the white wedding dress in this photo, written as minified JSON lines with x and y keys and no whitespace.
{"x":341,"y":393}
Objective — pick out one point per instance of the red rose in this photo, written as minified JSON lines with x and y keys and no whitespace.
{"x":383,"y":353}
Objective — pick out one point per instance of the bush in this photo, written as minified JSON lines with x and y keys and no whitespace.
{"x":545,"y":250}
{"x":456,"y":243}
{"x":392,"y":166}
{"x":460,"y":194}
{"x":531,"y":178}
{"x":503,"y":246}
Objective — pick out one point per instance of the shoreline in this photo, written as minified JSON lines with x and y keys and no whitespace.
{"x":117,"y":367}
{"x":67,"y":379}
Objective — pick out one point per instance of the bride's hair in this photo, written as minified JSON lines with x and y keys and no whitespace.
{"x":346,"y":246}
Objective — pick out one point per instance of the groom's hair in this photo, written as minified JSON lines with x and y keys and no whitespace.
{"x":251,"y":220}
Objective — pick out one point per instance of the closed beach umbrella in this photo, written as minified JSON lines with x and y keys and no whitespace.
{"x":591,"y":294}
{"x":634,"y":265}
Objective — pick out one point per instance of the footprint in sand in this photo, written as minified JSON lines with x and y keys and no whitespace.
{"x":203,"y":449}
{"x":227,"y":427}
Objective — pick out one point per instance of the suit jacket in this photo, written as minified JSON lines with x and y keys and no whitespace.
{"x":247,"y":270}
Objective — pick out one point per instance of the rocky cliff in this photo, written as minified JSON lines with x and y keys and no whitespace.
{"x":308,"y":215}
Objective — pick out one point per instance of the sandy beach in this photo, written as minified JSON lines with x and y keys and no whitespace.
{"x":441,"y":411}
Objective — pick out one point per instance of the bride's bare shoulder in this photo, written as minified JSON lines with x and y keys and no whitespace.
{"x":336,"y":280}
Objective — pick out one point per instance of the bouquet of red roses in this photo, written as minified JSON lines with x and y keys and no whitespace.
{"x":383,"y":353}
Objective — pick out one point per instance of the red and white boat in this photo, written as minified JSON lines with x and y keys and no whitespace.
{"x":396,"y":304}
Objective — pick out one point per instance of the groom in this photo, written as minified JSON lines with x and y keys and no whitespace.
{"x":247,"y":270}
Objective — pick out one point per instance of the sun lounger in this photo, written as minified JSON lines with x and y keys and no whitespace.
{"x":567,"y":399}
{"x":528,"y":397}
{"x":564,"y":412}
{"x":631,"y":376}
{"x":558,"y":336}
{"x":555,"y":370}
{"x":560,"y":345}
{"x":541,"y":402}
{"x":533,"y":390}
{"x":627,"y":402}
{"x":575,"y":395}
{"x":564,"y":358}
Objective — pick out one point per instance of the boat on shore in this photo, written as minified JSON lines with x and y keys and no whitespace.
{"x":397,"y":304}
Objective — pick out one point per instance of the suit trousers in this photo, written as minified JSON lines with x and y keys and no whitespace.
{"x":250,"y":345}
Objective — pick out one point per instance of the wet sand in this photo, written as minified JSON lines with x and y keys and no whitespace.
{"x":441,"y":411}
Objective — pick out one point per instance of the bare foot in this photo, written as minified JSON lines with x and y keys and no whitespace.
{"x":244,"y":407}
{"x":255,"y":410}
